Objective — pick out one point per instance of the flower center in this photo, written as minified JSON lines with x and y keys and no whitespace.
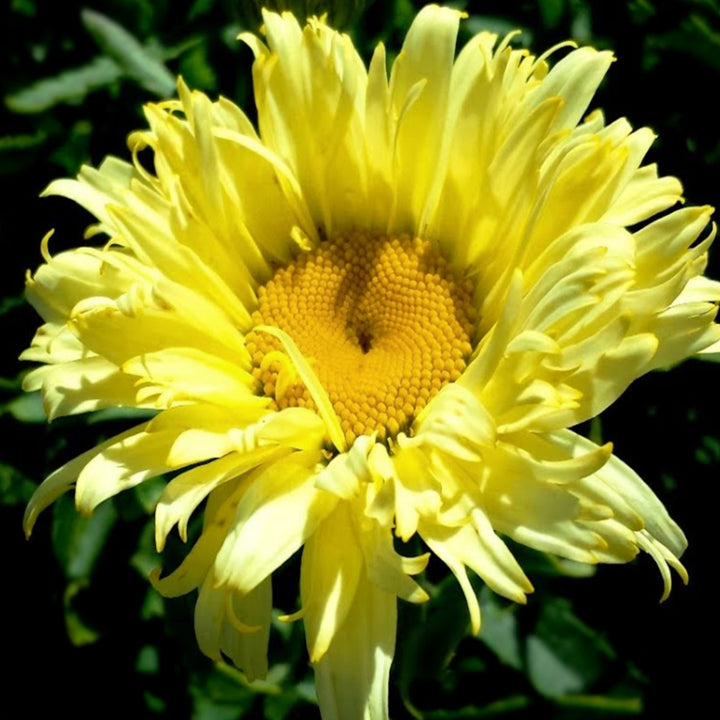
{"x":383,"y":321}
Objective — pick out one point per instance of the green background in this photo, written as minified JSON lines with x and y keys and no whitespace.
{"x":82,"y":632}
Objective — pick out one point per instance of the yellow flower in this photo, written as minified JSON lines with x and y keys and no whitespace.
{"x":375,"y":317}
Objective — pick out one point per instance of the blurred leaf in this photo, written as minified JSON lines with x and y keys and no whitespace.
{"x":76,"y":148}
{"x":78,"y":540}
{"x":709,"y":450}
{"x":549,"y":673}
{"x":154,"y":703}
{"x":487,"y":23}
{"x":148,"y":660}
{"x":27,"y":408}
{"x":15,"y":488}
{"x":153,"y":605}
{"x":129,"y":53}
{"x":196,"y":70}
{"x":535,"y":562}
{"x":641,"y":11}
{"x":603,"y":704}
{"x":269,"y":686}
{"x":404,"y":12}
{"x":13,"y":301}
{"x":431,"y":637}
{"x":595,"y":430}
{"x":433,"y":641}
{"x":24,"y":7}
{"x":668,"y":482}
{"x":148,"y":493}
{"x":219,"y":696}
{"x":551,"y":12}
{"x":278,"y":707}
{"x":564,"y":656}
{"x":70,"y":86}
{"x":146,"y":558}
{"x":17,"y":152}
{"x":229,"y":34}
{"x":79,"y":632}
{"x":199,"y":8}
{"x":495,"y":709}
{"x":500,"y":629}
{"x":120,"y":413}
{"x":695,"y":37}
{"x":581,"y":25}
{"x":139,"y":501}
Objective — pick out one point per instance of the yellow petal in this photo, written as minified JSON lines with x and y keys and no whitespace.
{"x":331,"y":567}
{"x":282,"y":496}
{"x":352,"y":676}
{"x":131,"y":458}
{"x":216,"y":632}
{"x":62,"y":479}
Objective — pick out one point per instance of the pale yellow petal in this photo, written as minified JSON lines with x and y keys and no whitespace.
{"x":426,"y":57}
{"x":187,"y":374}
{"x":388,"y":569}
{"x":344,"y":473}
{"x":282,"y":496}
{"x":184,"y":493}
{"x":633,"y":492}
{"x":352,"y":677}
{"x":127,"y":461}
{"x":217,"y":632}
{"x":332,"y":564}
{"x":82,"y":386}
{"x":63,"y":479}
{"x":309,"y":88}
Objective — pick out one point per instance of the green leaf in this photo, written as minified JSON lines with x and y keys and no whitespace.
{"x":581,"y":25}
{"x":112,"y":414}
{"x":535,"y":562}
{"x":24,"y":7}
{"x":496,"y":24}
{"x":11,"y":302}
{"x":551,"y":12}
{"x":155,"y":704}
{"x":153,"y":605}
{"x":502,"y":707}
{"x":20,"y":143}
{"x":200,"y":8}
{"x":15,"y":488}
{"x":278,"y":707}
{"x":125,"y":49}
{"x":148,"y":660}
{"x":603,"y":704}
{"x":694,"y":37}
{"x":20,"y":153}
{"x":500,"y":629}
{"x":220,"y":695}
{"x":430,"y":637}
{"x":70,"y":86}
{"x":563,"y":655}
{"x":709,"y":450}
{"x":27,"y":408}
{"x":148,"y":493}
{"x":75,"y":149}
{"x":196,"y":69}
{"x":146,"y":558}
{"x":77,"y":540}
{"x":79,"y":632}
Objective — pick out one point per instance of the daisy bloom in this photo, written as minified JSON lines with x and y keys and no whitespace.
{"x":375,"y":316}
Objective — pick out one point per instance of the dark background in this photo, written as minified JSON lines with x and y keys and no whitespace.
{"x":82,"y":632}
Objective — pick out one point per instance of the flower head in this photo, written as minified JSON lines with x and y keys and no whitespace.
{"x":376,"y":316}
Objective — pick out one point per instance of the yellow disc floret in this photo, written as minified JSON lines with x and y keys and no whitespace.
{"x":383,"y":321}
